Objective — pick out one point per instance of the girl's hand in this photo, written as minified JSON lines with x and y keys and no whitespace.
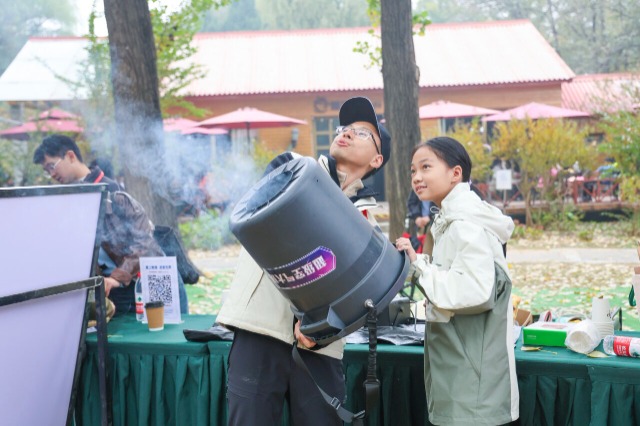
{"x":405,"y":244}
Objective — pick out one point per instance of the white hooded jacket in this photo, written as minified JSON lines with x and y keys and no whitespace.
{"x":469,"y":360}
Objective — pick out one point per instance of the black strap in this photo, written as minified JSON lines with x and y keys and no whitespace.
{"x":344,"y":414}
{"x":371,"y":384}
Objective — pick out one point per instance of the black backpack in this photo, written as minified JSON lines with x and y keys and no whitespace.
{"x":171,"y":246}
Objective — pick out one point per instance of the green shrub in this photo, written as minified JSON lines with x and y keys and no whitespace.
{"x":208,"y":231}
{"x":533,"y":233}
{"x":559,"y":217}
{"x":527,"y":232}
{"x":519,"y":231}
{"x":586,"y":234}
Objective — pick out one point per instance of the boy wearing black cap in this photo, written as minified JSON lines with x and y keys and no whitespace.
{"x":358,"y":119}
{"x":262,"y":373}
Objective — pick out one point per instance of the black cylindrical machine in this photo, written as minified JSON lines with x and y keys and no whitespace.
{"x":319,"y":250}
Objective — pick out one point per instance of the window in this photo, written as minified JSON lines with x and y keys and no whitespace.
{"x":325,"y":128}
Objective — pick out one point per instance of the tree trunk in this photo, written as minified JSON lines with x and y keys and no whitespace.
{"x":400,"y":76}
{"x":138,"y":120}
{"x":525,"y":190}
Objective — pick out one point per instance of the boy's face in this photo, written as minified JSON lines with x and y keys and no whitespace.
{"x":357,"y":145}
{"x":59,"y":168}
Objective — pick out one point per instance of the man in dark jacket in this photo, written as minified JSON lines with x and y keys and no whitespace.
{"x":126,"y":233}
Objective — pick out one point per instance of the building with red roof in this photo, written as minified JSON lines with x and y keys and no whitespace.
{"x":308,"y":74}
{"x":599,"y":93}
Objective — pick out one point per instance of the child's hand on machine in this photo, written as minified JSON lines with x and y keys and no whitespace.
{"x":405,"y":244}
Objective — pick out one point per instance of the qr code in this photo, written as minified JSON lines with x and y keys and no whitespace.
{"x":160,"y":288}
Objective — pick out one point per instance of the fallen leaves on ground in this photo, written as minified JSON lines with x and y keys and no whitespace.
{"x":564,"y":288}
{"x":582,"y":235}
{"x":205,"y":296}
{"x":568,"y":288}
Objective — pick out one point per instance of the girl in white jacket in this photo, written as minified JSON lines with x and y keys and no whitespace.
{"x":469,"y":360}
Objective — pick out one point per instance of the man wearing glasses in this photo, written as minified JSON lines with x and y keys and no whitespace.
{"x":262,"y":373}
{"x":126,"y":233}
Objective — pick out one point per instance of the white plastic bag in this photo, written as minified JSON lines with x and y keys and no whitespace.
{"x":583,"y":337}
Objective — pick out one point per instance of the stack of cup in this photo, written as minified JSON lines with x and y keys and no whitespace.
{"x":601,"y":316}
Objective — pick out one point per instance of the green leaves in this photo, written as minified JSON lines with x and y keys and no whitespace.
{"x":537,"y":146}
{"x":174,"y":32}
{"x":23,"y":19}
{"x":473,"y":139}
{"x":173,"y":35}
{"x":373,"y":49}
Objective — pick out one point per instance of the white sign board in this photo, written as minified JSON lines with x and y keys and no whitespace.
{"x":159,"y":277}
{"x":47,"y":238}
{"x":503,"y":180}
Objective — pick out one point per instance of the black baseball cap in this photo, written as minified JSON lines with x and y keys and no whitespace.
{"x":361,"y":109}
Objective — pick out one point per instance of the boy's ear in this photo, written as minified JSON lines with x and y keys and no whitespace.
{"x":376,"y":162}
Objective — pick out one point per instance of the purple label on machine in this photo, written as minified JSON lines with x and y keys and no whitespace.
{"x":305,"y":270}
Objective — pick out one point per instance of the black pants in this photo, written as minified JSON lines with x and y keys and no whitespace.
{"x":263,"y":375}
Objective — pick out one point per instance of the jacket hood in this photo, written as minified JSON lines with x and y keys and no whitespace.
{"x":463,"y":204}
{"x":356,"y":191}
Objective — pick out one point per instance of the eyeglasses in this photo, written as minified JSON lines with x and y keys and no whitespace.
{"x":360,"y":134}
{"x":49,"y":168}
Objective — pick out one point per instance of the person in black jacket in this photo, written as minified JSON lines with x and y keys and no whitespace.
{"x":125,"y":234}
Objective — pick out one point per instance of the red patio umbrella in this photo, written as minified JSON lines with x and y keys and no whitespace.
{"x":203,"y":131}
{"x":54,"y":120}
{"x":250,"y":118}
{"x":535,"y":111}
{"x":23,"y":131}
{"x":189,"y":127}
{"x":446,"y":109}
{"x":57,"y":114}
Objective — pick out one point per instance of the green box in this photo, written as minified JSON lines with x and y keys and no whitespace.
{"x":545,"y":334}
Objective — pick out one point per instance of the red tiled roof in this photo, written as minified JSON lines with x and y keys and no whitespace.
{"x":602,"y":92}
{"x":321,"y":60}
{"x":461,"y":54}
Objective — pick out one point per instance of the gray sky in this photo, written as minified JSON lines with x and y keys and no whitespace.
{"x":83,"y":8}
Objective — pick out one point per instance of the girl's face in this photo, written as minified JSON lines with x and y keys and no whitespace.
{"x":432,"y":178}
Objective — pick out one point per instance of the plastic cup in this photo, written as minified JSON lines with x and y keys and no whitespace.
{"x":155,"y":315}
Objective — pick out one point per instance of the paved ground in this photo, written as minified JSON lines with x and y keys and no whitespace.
{"x":572,"y":255}
{"x":227,"y":259}
{"x":214,"y":262}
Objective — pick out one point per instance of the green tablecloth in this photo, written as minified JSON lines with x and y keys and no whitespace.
{"x":162,"y":379}
{"x":157,"y":378}
{"x":562,"y":387}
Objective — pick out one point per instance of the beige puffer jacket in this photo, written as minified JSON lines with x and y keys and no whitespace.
{"x":254,"y":303}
